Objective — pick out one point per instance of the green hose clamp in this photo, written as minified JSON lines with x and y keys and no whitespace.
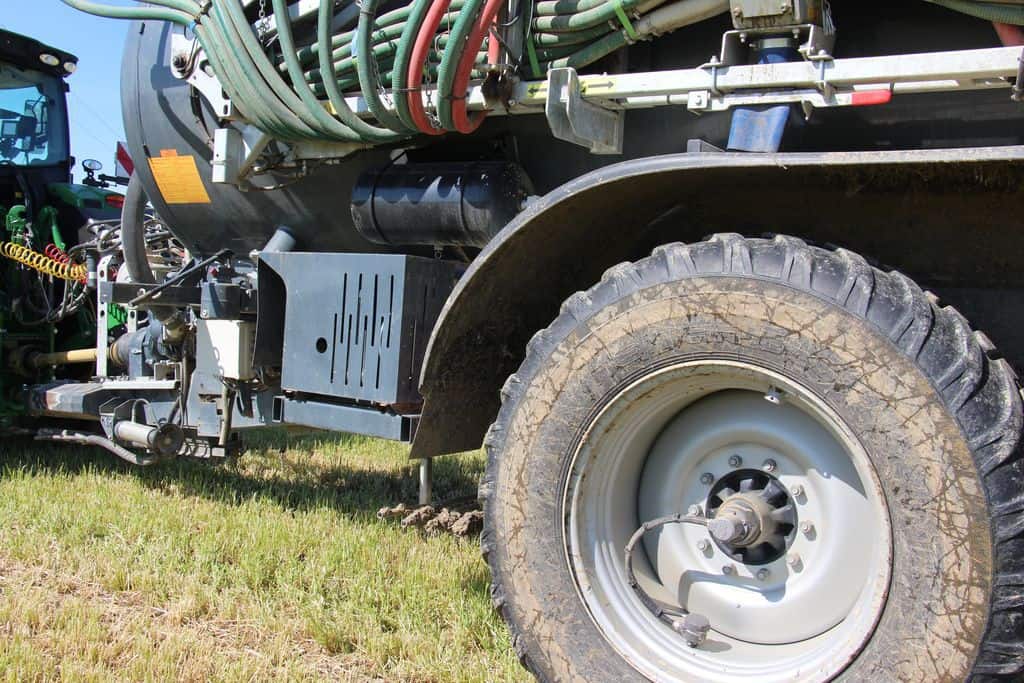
{"x":624,"y":20}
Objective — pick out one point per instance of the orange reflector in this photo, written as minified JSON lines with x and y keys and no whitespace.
{"x":115,"y":201}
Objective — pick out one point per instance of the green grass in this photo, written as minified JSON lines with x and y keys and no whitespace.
{"x":273,"y":566}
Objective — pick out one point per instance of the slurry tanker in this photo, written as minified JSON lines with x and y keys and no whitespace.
{"x":705,"y":278}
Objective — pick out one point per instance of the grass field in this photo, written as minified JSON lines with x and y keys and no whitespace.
{"x":273,"y":566}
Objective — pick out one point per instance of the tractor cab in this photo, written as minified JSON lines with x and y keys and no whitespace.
{"x":35,"y":152}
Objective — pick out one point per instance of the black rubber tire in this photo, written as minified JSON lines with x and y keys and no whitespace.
{"x":948,"y":455}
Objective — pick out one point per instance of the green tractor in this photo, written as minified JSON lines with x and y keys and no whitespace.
{"x":44,"y":218}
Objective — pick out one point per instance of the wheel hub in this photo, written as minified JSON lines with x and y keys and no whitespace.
{"x":761,"y":512}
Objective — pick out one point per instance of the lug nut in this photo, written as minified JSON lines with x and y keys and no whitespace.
{"x":797,"y":491}
{"x":793,"y":560}
{"x":807,"y":528}
{"x":769,"y":465}
{"x":735,"y":461}
{"x":762,"y":574}
{"x":703,"y":545}
{"x":707,"y":478}
{"x":727,"y":570}
{"x":695,"y":511}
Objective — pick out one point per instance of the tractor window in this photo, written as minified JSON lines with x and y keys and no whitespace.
{"x":33,"y":128}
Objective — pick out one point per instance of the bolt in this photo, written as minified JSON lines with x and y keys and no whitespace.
{"x":180,"y":61}
{"x":727,"y":570}
{"x":703,"y":545}
{"x":695,"y":511}
{"x":707,"y":478}
{"x":797,"y":491}
{"x":807,"y":528}
{"x":762,"y":574}
{"x":735,"y":461}
{"x":769,"y":465}
{"x":793,"y":560}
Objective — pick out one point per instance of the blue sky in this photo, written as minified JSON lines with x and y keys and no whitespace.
{"x":94,"y":101}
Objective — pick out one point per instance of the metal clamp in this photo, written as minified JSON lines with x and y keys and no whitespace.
{"x":575,"y":120}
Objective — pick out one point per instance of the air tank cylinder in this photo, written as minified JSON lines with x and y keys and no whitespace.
{"x":438,"y":204}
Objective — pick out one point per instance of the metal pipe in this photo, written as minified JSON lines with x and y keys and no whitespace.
{"x":45,"y":360}
{"x":65,"y":436}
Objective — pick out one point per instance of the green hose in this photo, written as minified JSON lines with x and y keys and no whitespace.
{"x":175,"y":16}
{"x":230,"y":45}
{"x":450,"y":61}
{"x":1003,"y":14}
{"x":548,"y":8}
{"x":335,"y":128}
{"x":591,"y":53}
{"x":366,"y":67}
{"x":590,"y":18}
{"x":400,"y":70}
{"x":334,"y":95}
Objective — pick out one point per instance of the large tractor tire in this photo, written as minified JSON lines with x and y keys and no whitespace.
{"x":863,"y":435}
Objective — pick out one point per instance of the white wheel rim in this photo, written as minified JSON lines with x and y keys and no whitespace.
{"x":643,"y":457}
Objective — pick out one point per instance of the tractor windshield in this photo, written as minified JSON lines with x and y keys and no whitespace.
{"x":33,"y":121}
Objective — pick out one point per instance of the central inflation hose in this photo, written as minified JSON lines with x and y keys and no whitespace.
{"x":691,"y":626}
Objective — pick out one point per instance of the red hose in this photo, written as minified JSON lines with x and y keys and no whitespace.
{"x":418,"y":62}
{"x":464,"y":123}
{"x":1009,"y":35}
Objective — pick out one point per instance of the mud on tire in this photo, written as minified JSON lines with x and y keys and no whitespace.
{"x":937,"y":410}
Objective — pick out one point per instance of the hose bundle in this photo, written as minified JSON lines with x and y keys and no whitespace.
{"x":296,"y":92}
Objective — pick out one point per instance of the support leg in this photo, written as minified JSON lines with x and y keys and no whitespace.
{"x":426,"y":480}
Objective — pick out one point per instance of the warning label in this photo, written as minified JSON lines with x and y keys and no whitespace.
{"x":178,"y":178}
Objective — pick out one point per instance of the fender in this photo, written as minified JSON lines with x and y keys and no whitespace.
{"x":940,"y":216}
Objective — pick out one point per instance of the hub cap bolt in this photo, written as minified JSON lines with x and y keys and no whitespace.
{"x":703,"y":545}
{"x":793,"y":560}
{"x":797,"y":491}
{"x":707,"y":478}
{"x":807,"y":528}
{"x":695,"y":511}
{"x":769,"y":465}
{"x":735,"y":461}
{"x":762,"y":574}
{"x":727,"y":570}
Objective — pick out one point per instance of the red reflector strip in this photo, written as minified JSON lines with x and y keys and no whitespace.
{"x":867,"y":98}
{"x":115,"y":201}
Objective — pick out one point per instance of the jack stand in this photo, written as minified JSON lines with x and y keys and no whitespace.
{"x":426,"y":480}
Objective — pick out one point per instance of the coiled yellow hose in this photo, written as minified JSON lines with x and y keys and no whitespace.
{"x":43,"y":263}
